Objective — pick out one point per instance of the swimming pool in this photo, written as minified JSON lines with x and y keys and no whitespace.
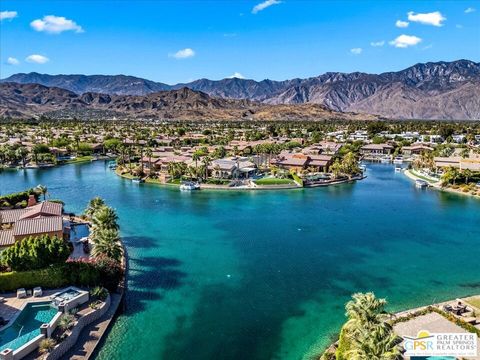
{"x":27,"y":325}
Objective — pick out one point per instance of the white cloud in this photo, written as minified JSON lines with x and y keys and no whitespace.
{"x":263,"y":5}
{"x":12,"y":61}
{"x":356,"y":51}
{"x":470,"y":10}
{"x":434,"y":18}
{"x":401,"y":24}
{"x":404,"y":41}
{"x":236,"y":75}
{"x":377,"y":43}
{"x":183,"y":54}
{"x":37,"y":59}
{"x":55,"y":25}
{"x":8,"y":15}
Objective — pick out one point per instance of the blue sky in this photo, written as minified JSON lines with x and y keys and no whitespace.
{"x":179,"y":41}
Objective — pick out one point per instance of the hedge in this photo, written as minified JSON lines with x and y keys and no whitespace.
{"x":52,"y":277}
{"x":101,"y":272}
{"x":17,"y":198}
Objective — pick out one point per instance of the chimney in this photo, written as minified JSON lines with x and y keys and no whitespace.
{"x":31,"y":200}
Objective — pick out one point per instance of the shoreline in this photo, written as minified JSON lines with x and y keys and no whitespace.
{"x":436,"y":186}
{"x":256,"y":188}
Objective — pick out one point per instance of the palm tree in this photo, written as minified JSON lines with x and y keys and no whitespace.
{"x":42,"y":189}
{"x":105,"y":218}
{"x":206,"y":161}
{"x":22,"y":153}
{"x":149,"y":153}
{"x":106,"y":243}
{"x":374,"y":345}
{"x":468,"y":174}
{"x":336,"y":168}
{"x":93,"y":205}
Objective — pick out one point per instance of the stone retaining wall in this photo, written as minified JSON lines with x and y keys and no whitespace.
{"x":70,"y":341}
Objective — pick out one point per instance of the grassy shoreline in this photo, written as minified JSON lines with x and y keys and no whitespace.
{"x":437,"y":186}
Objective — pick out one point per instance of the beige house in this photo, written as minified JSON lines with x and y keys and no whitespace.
{"x":44,"y":218}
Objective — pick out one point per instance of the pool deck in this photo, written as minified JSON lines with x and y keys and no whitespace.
{"x":12,"y":306}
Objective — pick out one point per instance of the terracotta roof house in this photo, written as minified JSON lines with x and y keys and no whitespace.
{"x":44,"y":218}
{"x":298,"y":161}
{"x":376,"y":149}
{"x":416,"y":149}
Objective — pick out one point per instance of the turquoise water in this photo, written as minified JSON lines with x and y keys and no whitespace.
{"x":265,"y":275}
{"x":27,"y":325}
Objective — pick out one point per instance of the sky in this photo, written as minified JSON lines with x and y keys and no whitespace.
{"x":181,"y":41}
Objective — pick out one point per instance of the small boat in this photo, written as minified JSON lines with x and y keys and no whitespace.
{"x":398,"y":169}
{"x":137,"y":180}
{"x":398,"y":160}
{"x":363,"y":167}
{"x":385,"y":160}
{"x":189,"y":186}
{"x":421,"y":184}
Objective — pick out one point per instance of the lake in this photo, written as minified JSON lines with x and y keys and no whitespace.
{"x":266,"y":275}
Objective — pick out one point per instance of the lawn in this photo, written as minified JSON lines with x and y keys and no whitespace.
{"x":274,"y":181}
{"x":79,"y":159}
{"x":474,"y":301}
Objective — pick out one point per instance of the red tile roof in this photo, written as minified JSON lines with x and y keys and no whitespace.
{"x":41,"y":225}
{"x":6,"y":238}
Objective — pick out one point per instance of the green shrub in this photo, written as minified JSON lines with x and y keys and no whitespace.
{"x":35,"y":253}
{"x":18,"y":198}
{"x":52,"y":277}
{"x":103,"y":272}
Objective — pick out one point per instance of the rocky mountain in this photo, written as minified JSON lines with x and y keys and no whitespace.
{"x":33,"y":100}
{"x":106,"y":84}
{"x":436,"y":90}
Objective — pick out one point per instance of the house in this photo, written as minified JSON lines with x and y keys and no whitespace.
{"x":457,"y":162}
{"x":376,"y":149}
{"x":233,"y":168}
{"x":298,"y":162}
{"x":416,"y":149}
{"x":44,"y":218}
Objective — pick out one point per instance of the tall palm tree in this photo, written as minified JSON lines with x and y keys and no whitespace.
{"x":106,"y":243}
{"x":42,"y":189}
{"x":93,"y":205}
{"x":374,"y":345}
{"x":105,"y":218}
{"x":206,"y":161}
{"x":149,"y":153}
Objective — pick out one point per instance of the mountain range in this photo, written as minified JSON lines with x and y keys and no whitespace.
{"x":31,"y":100}
{"x":434,"y":90}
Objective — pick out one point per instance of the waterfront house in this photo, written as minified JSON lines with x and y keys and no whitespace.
{"x":416,"y":149}
{"x":375,"y":150}
{"x":44,"y":218}
{"x":472,"y":163}
{"x":298,"y":162}
{"x":233,"y":168}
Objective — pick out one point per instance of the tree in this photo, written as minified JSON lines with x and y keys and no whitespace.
{"x":22,"y":152}
{"x":105,"y":218}
{"x":467,"y":173}
{"x":93,"y":205}
{"x":35,"y":253}
{"x":336,"y":168}
{"x":350,"y":164}
{"x":46,"y":346}
{"x":43,"y":190}
{"x":367,"y":334}
{"x":106,"y":242}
